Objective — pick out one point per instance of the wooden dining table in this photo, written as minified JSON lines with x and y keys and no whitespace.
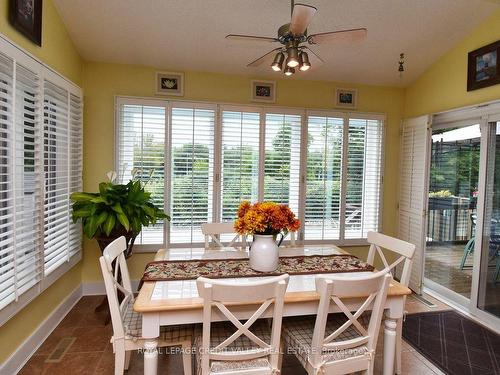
{"x":164,"y":303}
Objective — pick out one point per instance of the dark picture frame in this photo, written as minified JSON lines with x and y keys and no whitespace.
{"x":26,"y":17}
{"x":263,"y":91}
{"x":346,"y":98}
{"x":483,"y":68}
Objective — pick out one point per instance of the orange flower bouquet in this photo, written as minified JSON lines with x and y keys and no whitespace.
{"x":265,"y":218}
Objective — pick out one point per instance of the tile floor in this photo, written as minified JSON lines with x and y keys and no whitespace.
{"x":91,"y":353}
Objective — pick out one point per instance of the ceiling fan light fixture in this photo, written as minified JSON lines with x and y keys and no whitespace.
{"x":293,"y":57}
{"x":277,"y":64}
{"x":304,"y":61}
{"x":289,"y":71}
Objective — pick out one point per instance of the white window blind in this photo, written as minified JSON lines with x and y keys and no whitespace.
{"x":364,"y":161}
{"x":28,"y":180}
{"x":56,"y":149}
{"x":324,"y":177}
{"x":282,"y":159}
{"x":7,"y":210}
{"x":142,"y":149}
{"x":76,"y":166}
{"x":40,"y":148}
{"x":240,"y":160}
{"x":192,"y":172}
{"x":325,"y":165}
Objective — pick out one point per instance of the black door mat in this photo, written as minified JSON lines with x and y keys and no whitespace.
{"x":454,"y":343}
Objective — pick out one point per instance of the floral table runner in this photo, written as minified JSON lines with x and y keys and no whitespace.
{"x":169,"y":270}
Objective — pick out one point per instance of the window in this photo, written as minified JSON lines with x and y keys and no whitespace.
{"x":324,"y":178}
{"x":364,"y":171}
{"x":325,"y":165}
{"x":282,"y":159}
{"x":192,"y":172}
{"x":141,"y":152}
{"x":240,"y":160}
{"x":40,"y":165}
{"x":343,"y":177}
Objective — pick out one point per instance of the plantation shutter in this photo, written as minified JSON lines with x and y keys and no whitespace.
{"x":412,"y":192}
{"x":364,"y":163}
{"x":324,"y":176}
{"x":56,"y":169}
{"x":28,"y":180}
{"x":240,"y":160}
{"x":37,"y":157}
{"x":192,"y":171}
{"x":282,"y":159}
{"x":7,"y":210}
{"x":76,"y":166}
{"x":141,"y":150}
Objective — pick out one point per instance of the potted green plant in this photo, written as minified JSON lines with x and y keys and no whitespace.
{"x":116,"y":210}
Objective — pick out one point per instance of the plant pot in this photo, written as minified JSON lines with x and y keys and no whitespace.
{"x":104,"y":240}
{"x":264,"y":255}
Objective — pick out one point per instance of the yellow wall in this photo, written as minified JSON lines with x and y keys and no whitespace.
{"x":58,"y":52}
{"x":444,"y":85}
{"x":103,"y":81}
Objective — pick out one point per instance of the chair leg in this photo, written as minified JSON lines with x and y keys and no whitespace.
{"x":467,"y":250}
{"x":119,"y":348}
{"x":280,"y":356}
{"x":186,"y":357}
{"x":399,"y":343}
{"x":128,"y":354}
{"x":497,"y":270}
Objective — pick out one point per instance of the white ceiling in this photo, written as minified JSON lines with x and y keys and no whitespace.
{"x":189,"y":34}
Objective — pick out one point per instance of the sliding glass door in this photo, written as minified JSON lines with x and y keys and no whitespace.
{"x":452,"y":209}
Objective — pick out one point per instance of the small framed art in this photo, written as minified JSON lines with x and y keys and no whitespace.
{"x":263,"y":91}
{"x":170,"y":83}
{"x":26,"y":17}
{"x":346,"y":98}
{"x":483,"y":69}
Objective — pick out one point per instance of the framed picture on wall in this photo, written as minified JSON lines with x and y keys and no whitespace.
{"x":263,"y":91}
{"x":483,"y":69}
{"x":170,"y":83}
{"x":26,"y":17}
{"x":346,"y":98}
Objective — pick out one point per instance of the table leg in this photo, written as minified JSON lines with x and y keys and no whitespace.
{"x":151,"y":332}
{"x":390,"y":325}
{"x":150,"y":357}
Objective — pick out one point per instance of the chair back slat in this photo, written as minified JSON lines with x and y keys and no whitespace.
{"x":335,"y":289}
{"x":116,"y":279}
{"x":405,"y":250}
{"x":212,"y":232}
{"x":220,"y":295}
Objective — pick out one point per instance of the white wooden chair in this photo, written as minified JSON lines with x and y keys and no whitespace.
{"x":213,"y":231}
{"x":127,"y":324}
{"x":404,"y":255}
{"x":254,"y":348}
{"x":345,"y":342}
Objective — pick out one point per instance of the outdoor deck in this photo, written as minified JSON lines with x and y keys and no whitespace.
{"x":442,"y":265}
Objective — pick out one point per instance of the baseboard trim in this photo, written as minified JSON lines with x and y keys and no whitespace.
{"x":24,"y":352}
{"x":97,"y":288}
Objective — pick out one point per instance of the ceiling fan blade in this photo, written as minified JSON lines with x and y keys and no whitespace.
{"x":260,"y":60}
{"x":341,"y":35}
{"x":321,"y":61}
{"x":251,"y":38}
{"x":301,"y":18}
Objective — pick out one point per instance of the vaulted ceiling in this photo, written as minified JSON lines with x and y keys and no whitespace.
{"x":189,"y":34}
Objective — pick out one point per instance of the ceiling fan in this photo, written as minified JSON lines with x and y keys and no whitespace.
{"x":293,"y":36}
